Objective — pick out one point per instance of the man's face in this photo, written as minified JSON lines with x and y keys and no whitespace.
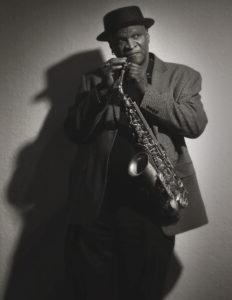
{"x":131,"y":42}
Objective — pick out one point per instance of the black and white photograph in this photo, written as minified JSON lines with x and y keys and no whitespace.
{"x":115,"y":136}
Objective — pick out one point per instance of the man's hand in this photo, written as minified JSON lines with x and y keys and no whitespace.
{"x":111,"y":67}
{"x":138,"y":75}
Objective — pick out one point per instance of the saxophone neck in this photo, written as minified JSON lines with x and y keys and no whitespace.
{"x":119,"y":82}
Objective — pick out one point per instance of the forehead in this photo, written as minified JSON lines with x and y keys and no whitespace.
{"x":126,"y":31}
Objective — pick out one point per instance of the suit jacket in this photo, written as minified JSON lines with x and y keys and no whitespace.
{"x":173,"y":108}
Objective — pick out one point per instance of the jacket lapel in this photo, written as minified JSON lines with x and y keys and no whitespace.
{"x":159,"y":68}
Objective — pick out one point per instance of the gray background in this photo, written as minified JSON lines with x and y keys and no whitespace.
{"x":46,"y":45}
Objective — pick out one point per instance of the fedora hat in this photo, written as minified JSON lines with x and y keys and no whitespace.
{"x":123,"y":17}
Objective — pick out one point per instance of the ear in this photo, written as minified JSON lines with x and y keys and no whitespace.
{"x":112,"y":47}
{"x":148,"y":36}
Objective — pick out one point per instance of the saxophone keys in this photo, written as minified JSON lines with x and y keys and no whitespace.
{"x":174,"y":205}
{"x":146,"y":140}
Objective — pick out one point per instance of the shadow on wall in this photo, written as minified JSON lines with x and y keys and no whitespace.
{"x":38,"y":191}
{"x":39,"y":186}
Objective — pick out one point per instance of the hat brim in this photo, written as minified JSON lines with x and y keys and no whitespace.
{"x":105,"y":36}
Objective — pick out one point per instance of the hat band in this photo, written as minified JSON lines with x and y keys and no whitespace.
{"x":114,"y":27}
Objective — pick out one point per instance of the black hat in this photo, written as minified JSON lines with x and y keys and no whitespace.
{"x":123,"y":17}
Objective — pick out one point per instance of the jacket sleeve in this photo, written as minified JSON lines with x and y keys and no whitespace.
{"x":85,"y":114}
{"x":183,"y":113}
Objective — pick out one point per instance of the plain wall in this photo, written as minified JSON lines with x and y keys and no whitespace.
{"x":45,"y":46}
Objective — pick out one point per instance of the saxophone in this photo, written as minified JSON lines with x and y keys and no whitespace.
{"x":152,"y":162}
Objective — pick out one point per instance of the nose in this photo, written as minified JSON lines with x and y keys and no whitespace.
{"x":130,"y":44}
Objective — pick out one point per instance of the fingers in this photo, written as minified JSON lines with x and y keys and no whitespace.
{"x":117,"y":60}
{"x":110,"y":68}
{"x":114,"y":64}
{"x":134,"y":71}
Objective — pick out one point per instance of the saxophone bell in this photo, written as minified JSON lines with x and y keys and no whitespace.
{"x":140,"y":165}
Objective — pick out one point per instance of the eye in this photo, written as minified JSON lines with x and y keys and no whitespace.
{"x":135,"y":36}
{"x":121,"y":40}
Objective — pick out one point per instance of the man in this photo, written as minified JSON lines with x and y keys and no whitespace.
{"x":119,"y":244}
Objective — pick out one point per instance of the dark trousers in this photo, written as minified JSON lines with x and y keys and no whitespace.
{"x":122,"y":255}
